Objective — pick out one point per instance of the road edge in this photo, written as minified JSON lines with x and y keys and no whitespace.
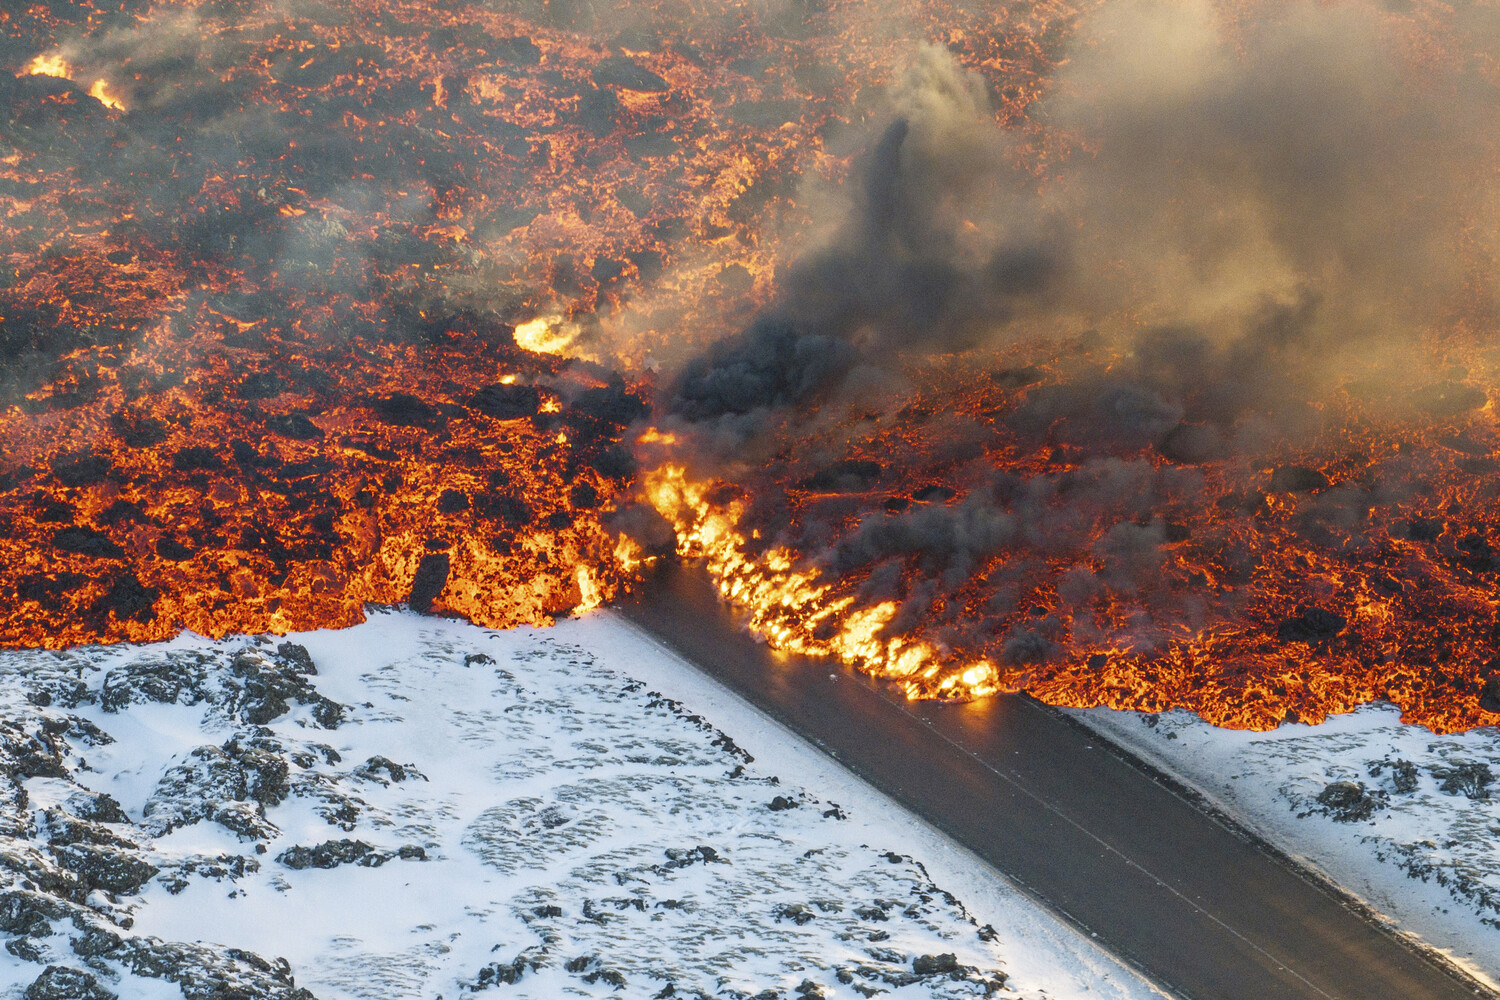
{"x":1084,"y":934}
{"x":1320,"y":880}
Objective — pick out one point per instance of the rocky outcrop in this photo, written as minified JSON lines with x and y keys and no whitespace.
{"x":70,"y":869}
{"x":258,"y":687}
{"x":60,"y":983}
{"x":332,"y":853}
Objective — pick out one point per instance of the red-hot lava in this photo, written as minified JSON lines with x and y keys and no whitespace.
{"x":287,"y":291}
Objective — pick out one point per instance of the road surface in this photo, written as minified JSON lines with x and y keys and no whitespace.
{"x":1201,"y":909}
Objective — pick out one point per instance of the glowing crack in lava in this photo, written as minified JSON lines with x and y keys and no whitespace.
{"x":962,"y":345}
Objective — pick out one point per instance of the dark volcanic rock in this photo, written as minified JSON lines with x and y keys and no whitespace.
{"x":849,"y":476}
{"x":1468,"y":778}
{"x":81,"y":470}
{"x":1489,"y":695}
{"x":1403,"y":773}
{"x":106,"y":868}
{"x":452,"y":502}
{"x":123,"y":512}
{"x":1191,"y":444}
{"x":929,"y":494}
{"x":208,"y":973}
{"x":1449,"y":399}
{"x":405,"y":410}
{"x":296,"y":659}
{"x":232,"y":785}
{"x":60,"y":983}
{"x":371,"y":770}
{"x":1349,"y":801}
{"x":612,"y":404}
{"x":177,"y":678}
{"x":614,"y":462}
{"x":332,"y":853}
{"x":431,"y":578}
{"x":48,"y":591}
{"x":1312,"y":625}
{"x":87,"y":542}
{"x":268,"y":685}
{"x":172,"y":550}
{"x":1425,"y":529}
{"x":1477,"y":553}
{"x":509,"y":973}
{"x":935,"y":965}
{"x":29,"y":913}
{"x":296,"y":426}
{"x":1297,"y":479}
{"x":56,"y":512}
{"x":263,"y":385}
{"x":128,"y":597}
{"x":139,"y":430}
{"x":620,"y":72}
{"x":197,"y":460}
{"x":584,"y":497}
{"x":506,"y":402}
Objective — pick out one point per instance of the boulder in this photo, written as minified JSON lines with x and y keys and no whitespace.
{"x":935,"y":965}
{"x":1349,"y":801}
{"x":60,"y":983}
{"x":1312,"y":625}
{"x":430,"y":579}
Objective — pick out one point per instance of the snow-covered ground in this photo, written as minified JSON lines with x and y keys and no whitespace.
{"x":1406,"y":820}
{"x":421,"y":808}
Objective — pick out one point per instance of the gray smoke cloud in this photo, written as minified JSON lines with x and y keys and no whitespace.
{"x":1241,"y":215}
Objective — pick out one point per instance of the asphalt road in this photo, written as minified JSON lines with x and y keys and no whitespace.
{"x":1198,"y":907}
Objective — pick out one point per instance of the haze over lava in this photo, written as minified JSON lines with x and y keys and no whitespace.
{"x":1136,"y":354}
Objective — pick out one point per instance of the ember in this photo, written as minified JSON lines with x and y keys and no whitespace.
{"x":1002,"y":362}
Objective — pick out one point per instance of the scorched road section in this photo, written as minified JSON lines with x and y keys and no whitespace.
{"x":1200,"y":908}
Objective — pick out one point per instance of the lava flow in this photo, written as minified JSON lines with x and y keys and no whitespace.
{"x":959,"y":344}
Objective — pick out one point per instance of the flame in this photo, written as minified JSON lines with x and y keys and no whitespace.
{"x":546,"y":335}
{"x":591,"y":595}
{"x":631,"y":557}
{"x":653,"y":436}
{"x":100,"y":92}
{"x":50,"y":64}
{"x":791,"y":609}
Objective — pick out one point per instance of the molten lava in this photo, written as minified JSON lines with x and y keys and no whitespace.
{"x":303,"y":309}
{"x":1249,"y":595}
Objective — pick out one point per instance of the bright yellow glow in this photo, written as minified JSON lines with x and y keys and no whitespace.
{"x":51,"y":64}
{"x":546,"y":335}
{"x":589,"y":593}
{"x":100,"y":92}
{"x":630,"y":557}
{"x":795,"y":609}
{"x":653,"y":436}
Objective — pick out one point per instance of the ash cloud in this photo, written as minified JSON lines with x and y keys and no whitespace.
{"x":1244,"y":210}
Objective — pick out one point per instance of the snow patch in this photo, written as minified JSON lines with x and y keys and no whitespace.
{"x":1406,"y":820}
{"x":420,"y":807}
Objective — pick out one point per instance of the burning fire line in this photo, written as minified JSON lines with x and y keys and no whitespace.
{"x":790,"y":608}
